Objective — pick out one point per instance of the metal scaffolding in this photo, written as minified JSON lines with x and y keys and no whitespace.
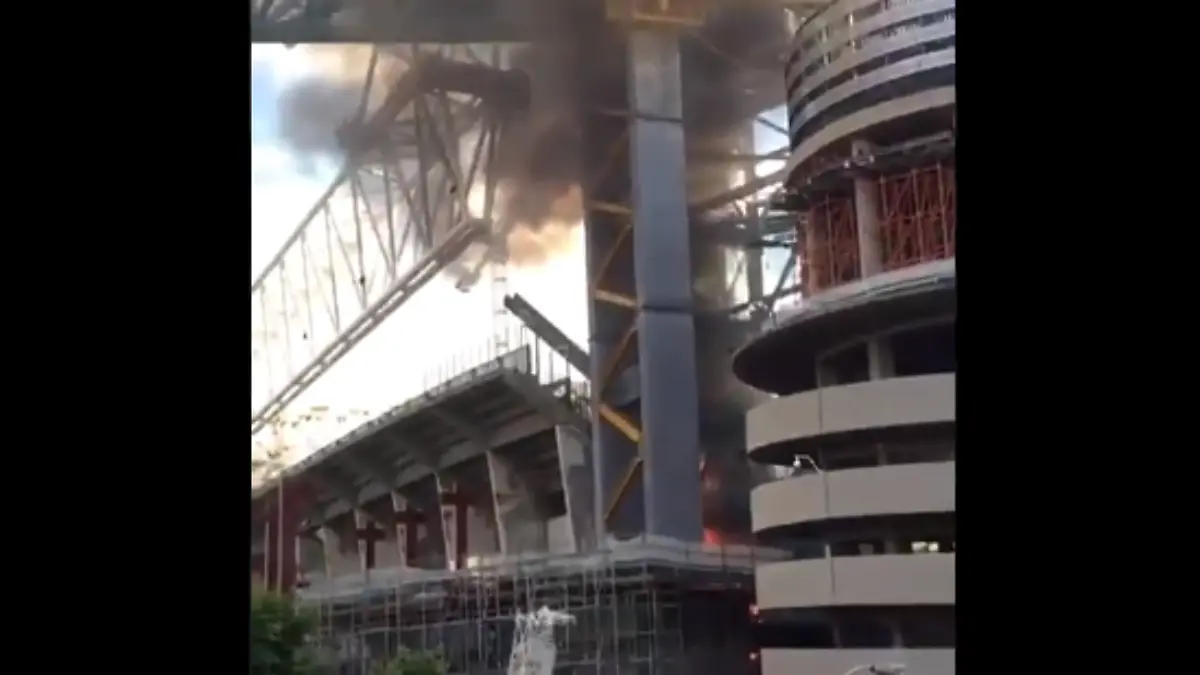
{"x":910,"y":191}
{"x":654,"y":606}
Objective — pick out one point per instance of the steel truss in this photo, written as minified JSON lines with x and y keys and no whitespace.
{"x":412,"y":197}
{"x":739,"y":210}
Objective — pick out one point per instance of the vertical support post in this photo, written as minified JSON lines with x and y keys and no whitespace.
{"x":328,"y":552}
{"x":426,"y":498}
{"x":662,"y":262}
{"x":453,"y":505}
{"x":280,"y":560}
{"x":517,"y":517}
{"x":880,"y":360}
{"x":368,"y":535}
{"x":577,"y":481}
{"x":610,"y":268}
{"x":866,"y":211}
{"x":407,"y":520}
{"x":363,"y":545}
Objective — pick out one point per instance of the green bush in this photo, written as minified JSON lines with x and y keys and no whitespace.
{"x":282,"y":643}
{"x":413,"y":662}
{"x":281,"y":637}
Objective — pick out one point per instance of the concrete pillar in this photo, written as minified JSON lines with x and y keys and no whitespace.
{"x":453,"y":505}
{"x":666,"y":336}
{"x":866,"y":211}
{"x":407,"y":522}
{"x":425,"y":498}
{"x":310,"y":552}
{"x":387,"y":553}
{"x":328,"y":551}
{"x":282,"y":530}
{"x":575,"y":470}
{"x":636,"y":197}
{"x":369,"y":537}
{"x":516,"y":514}
{"x":880,"y":360}
{"x":825,"y":374}
{"x":344,"y":558}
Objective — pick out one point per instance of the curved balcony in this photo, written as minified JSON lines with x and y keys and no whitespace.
{"x":847,"y":52}
{"x":911,"y":579}
{"x":851,"y":493}
{"x":838,"y":661}
{"x":895,"y":402}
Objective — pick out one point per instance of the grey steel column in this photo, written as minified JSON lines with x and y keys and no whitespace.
{"x":606,"y":184}
{"x":662,"y":264}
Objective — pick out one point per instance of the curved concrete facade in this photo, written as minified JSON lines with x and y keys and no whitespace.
{"x":854,"y":493}
{"x":857,"y":580}
{"x":854,"y":55}
{"x":836,"y":662}
{"x":863,"y":406}
{"x":863,"y":371}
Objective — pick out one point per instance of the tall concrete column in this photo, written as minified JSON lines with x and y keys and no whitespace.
{"x":370,"y":538}
{"x":866,"y":211}
{"x":328,"y":552}
{"x":880,"y":360}
{"x":344,"y":558}
{"x":604,"y":164}
{"x":576,"y":472}
{"x":408,"y":520}
{"x":282,"y":531}
{"x":662,"y":263}
{"x":517,"y":518}
{"x":453,"y":506}
{"x":639,"y":264}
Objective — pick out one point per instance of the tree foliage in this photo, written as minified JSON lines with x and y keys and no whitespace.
{"x":281,"y":643}
{"x":281,"y":637}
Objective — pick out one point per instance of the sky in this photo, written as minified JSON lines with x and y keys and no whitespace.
{"x":439,"y":332}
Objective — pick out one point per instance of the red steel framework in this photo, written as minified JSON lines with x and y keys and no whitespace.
{"x":917,"y":222}
{"x":281,"y":509}
{"x":831,"y":244}
{"x":917,"y":216}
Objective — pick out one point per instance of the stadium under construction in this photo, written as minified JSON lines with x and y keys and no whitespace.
{"x":657,"y":483}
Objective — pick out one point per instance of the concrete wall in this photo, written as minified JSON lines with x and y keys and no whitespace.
{"x":839,"y":661}
{"x":865,"y":405}
{"x":849,"y":493}
{"x":858,"y":580}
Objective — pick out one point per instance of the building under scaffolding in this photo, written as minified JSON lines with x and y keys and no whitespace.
{"x":384,"y":571}
{"x":507,"y":486}
{"x":644,"y":607}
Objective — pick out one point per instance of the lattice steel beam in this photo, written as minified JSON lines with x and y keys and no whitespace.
{"x":396,"y":216}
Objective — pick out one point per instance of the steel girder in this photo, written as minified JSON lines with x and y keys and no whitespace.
{"x":394,"y":218}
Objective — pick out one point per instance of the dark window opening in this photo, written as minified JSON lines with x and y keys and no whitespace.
{"x":803,"y":634}
{"x":931,"y":629}
{"x":924,"y":351}
{"x":864,"y":632}
{"x":857,"y":547}
{"x":848,"y":366}
{"x":848,"y":458}
{"x":941,"y":450}
{"x":926,"y":627}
